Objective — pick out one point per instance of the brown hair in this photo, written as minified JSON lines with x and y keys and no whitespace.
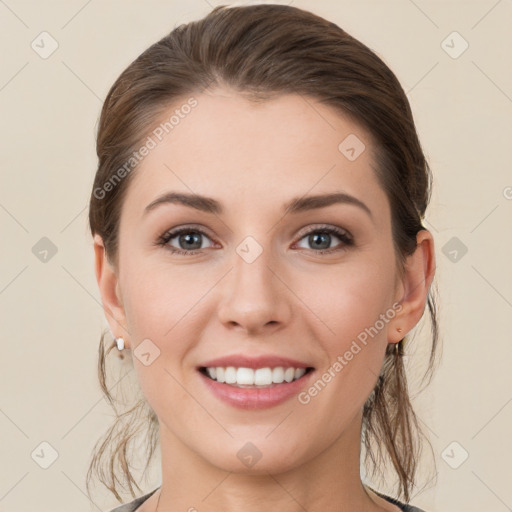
{"x":261,"y":51}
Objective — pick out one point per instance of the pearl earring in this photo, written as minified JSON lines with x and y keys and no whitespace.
{"x":399,"y":329}
{"x":120,"y":343}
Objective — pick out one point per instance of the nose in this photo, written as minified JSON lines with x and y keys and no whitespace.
{"x":254,"y":297}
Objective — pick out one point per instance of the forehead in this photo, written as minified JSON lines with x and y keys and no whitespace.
{"x":257,"y":154}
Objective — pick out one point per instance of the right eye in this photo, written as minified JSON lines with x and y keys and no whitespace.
{"x":190,"y":238}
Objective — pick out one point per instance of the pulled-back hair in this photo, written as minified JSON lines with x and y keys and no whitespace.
{"x":261,"y":52}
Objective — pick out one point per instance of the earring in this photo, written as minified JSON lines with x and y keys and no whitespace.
{"x":120,"y":343}
{"x":399,"y":329}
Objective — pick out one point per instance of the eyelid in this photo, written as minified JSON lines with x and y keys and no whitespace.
{"x":323,"y":227}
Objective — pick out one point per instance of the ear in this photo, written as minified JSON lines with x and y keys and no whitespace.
{"x":108,"y":285}
{"x":413,"y":290}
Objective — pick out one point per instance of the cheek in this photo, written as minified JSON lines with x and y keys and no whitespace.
{"x":354,"y":353}
{"x":157,"y":296}
{"x":352,"y":300}
{"x":160,"y":303}
{"x":354,"y":306}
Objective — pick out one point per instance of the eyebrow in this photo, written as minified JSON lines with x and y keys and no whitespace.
{"x":296,"y":205}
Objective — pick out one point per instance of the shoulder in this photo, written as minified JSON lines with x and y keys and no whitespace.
{"x":411,"y":508}
{"x":135,"y":504}
{"x":408,"y":508}
{"x":402,"y":506}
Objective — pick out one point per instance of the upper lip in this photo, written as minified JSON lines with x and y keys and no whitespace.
{"x":242,"y":361}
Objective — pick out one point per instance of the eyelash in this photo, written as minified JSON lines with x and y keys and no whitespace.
{"x":169,"y":235}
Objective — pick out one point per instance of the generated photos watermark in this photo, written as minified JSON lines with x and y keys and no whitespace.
{"x":151,"y":142}
{"x":342,"y":360}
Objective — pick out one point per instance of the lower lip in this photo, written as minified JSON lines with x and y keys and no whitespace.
{"x":256,"y":398}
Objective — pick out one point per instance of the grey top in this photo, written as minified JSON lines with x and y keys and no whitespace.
{"x":135,"y":504}
{"x":404,"y":506}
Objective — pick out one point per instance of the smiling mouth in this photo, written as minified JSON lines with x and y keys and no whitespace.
{"x":254,"y":378}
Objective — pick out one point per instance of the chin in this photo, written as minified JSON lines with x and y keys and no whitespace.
{"x":257,"y":457}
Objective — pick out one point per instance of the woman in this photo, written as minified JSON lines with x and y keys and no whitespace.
{"x":259,"y":248}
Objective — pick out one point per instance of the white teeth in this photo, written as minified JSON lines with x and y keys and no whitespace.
{"x":278,"y":375}
{"x":263,"y":377}
{"x":230,"y":375}
{"x":220,"y":374}
{"x":289,"y":373}
{"x":299,"y":372}
{"x":245,"y":376}
{"x":258,"y":377}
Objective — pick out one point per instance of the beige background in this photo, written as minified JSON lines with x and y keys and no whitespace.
{"x":51,"y":317}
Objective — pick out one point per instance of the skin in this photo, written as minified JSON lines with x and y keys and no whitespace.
{"x":290,"y":301}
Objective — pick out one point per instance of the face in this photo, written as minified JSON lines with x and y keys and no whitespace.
{"x":259,"y":277}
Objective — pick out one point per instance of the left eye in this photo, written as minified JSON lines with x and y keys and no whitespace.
{"x":322,"y":238}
